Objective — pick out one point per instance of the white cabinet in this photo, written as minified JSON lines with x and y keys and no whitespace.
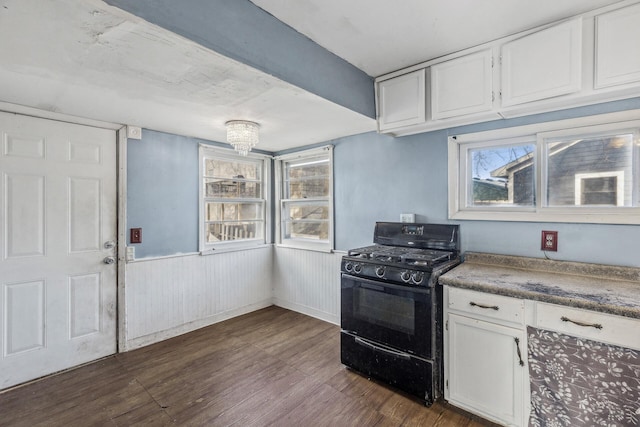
{"x":617,"y":47}
{"x":402,"y":101}
{"x":600,"y":327}
{"x":462,"y":85}
{"x":485,"y":355}
{"x":589,"y":59}
{"x":542,"y":65}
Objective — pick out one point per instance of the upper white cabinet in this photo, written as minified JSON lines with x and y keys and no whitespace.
{"x":542,"y":65}
{"x":617,"y":47}
{"x":462,"y":86}
{"x":402,"y":101}
{"x":589,"y":59}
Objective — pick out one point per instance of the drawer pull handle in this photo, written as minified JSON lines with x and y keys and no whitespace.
{"x":591,"y":325}
{"x":519,"y":353}
{"x":492,"y":307}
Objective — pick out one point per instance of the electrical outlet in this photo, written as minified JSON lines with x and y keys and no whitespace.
{"x":549,"y":241}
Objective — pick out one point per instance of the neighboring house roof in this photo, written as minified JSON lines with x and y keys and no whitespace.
{"x":489,"y":190}
{"x":527,"y":160}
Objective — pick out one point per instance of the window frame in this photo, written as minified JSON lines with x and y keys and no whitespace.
{"x":209,"y":152}
{"x":281,"y":202}
{"x":579,"y":182}
{"x":459,"y":145}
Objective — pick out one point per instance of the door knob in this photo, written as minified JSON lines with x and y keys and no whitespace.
{"x":109,"y":260}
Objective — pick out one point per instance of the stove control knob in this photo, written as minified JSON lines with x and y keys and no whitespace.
{"x":357,"y":268}
{"x":405,"y":276}
{"x":348,"y":266}
{"x":418,"y":277}
{"x":380,"y":271}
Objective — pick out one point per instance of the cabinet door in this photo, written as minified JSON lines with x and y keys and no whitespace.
{"x":543,"y":64}
{"x":485,"y":375}
{"x":462,"y":86}
{"x":617,"y":52}
{"x":402,"y":101}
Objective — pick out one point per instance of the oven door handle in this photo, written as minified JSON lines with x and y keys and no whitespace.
{"x":385,"y":350}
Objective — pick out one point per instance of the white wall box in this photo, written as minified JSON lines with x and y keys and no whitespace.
{"x":617,"y":52}
{"x":462,"y":85}
{"x":402,"y":100}
{"x":543,"y":65}
{"x":485,"y":355}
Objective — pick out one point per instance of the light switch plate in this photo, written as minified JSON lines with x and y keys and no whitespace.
{"x":131,"y":253}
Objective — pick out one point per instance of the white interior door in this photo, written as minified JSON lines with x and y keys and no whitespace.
{"x":57,"y":226}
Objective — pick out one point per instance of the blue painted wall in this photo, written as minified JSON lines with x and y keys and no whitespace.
{"x":377,"y":177}
{"x":242,"y":31}
{"x":162,"y":192}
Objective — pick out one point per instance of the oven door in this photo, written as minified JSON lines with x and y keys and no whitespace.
{"x":394,"y":315}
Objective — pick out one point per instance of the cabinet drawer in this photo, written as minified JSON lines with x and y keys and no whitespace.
{"x":592,"y":325}
{"x":487,"y":305}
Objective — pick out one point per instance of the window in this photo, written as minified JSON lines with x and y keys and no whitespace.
{"x":578,"y":170}
{"x":306,"y":199}
{"x":233,"y":199}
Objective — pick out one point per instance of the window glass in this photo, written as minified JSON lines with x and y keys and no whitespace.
{"x":233,"y":200}
{"x":306,"y":220}
{"x":590,"y":170}
{"x":307,"y":179}
{"x":305,"y":205}
{"x":502,"y":175}
{"x":584,"y":170}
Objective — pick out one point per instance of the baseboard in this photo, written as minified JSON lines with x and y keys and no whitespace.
{"x":192,"y":326}
{"x":309,"y":311}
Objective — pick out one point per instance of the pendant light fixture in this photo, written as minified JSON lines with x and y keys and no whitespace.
{"x":242,"y":135}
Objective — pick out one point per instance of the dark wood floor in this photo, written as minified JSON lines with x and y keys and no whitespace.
{"x":270,"y":367}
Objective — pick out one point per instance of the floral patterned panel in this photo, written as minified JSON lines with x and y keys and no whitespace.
{"x":579,"y":382}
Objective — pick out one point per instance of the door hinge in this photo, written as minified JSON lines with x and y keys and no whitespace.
{"x":493,"y":96}
{"x":447,"y":383}
{"x":446,"y":325}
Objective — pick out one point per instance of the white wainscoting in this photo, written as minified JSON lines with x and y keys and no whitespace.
{"x":166,"y":297}
{"x":307,"y":282}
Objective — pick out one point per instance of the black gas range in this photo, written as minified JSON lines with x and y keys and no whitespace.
{"x":391,"y":306}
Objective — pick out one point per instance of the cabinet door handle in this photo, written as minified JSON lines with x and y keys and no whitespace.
{"x":575,"y":322}
{"x":517,"y":340}
{"x":492,"y":307}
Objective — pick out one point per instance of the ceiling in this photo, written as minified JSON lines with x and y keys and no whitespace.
{"x":380,"y":36}
{"x":87,"y":59}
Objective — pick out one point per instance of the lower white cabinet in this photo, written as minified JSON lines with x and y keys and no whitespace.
{"x":486,"y":355}
{"x":485,"y":348}
{"x":485,"y":374}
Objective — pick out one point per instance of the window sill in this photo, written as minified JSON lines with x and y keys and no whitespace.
{"x":630,"y":216}
{"x":307,"y":247}
{"x":235,"y":248}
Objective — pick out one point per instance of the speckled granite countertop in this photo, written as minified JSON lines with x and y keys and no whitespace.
{"x":604,"y":288}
